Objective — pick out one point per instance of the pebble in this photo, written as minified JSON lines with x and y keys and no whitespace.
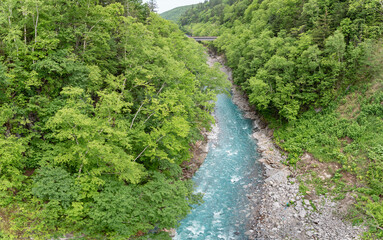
{"x":276,"y":205}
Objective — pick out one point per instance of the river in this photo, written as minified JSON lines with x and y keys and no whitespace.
{"x":227,"y":178}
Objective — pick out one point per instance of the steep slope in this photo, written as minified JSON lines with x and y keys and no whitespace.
{"x":175,"y":13}
{"x":99,"y":102}
{"x":312,"y":70}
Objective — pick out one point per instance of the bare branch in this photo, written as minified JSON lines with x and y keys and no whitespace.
{"x":139,"y":155}
{"x":159,"y":91}
{"x":79,"y":171}
{"x":123,"y":87}
{"x":139,"y":109}
{"x":85,"y":37}
{"x":149,"y":117}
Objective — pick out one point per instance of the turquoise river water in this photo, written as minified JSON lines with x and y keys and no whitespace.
{"x":226,"y":178}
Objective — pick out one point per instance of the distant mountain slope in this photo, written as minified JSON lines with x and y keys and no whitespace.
{"x":176,"y":13}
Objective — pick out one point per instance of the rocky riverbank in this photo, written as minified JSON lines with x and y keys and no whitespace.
{"x":282,"y":212}
{"x":199,"y":152}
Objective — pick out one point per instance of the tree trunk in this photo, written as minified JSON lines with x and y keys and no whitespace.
{"x":35,"y":25}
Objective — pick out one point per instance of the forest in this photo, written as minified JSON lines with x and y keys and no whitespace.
{"x":175,"y":13}
{"x":99,"y":103}
{"x":312,"y":69}
{"x":101,"y":100}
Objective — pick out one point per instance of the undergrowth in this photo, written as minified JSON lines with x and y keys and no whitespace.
{"x":350,"y":134}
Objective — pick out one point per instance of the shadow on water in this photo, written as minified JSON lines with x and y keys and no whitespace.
{"x":230,"y":172}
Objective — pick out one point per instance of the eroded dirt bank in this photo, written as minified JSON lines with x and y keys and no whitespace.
{"x":281,"y":212}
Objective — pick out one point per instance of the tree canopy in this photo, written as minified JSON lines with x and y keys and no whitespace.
{"x":313,"y":70}
{"x":289,"y":55}
{"x":99,"y":101}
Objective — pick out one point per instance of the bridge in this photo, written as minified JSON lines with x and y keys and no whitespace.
{"x":199,"y":39}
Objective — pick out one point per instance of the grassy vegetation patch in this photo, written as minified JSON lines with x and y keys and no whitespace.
{"x":345,"y":142}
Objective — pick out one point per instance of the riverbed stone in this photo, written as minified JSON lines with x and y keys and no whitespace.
{"x":276,"y":205}
{"x":278,"y":177}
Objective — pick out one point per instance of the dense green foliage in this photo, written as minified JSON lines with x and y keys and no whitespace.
{"x":284,"y":54}
{"x":99,"y":101}
{"x":292,"y":57}
{"x":175,"y":13}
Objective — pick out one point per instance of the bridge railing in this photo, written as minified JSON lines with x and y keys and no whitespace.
{"x":204,"y":38}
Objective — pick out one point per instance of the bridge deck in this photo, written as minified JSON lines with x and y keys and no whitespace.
{"x":204,"y":38}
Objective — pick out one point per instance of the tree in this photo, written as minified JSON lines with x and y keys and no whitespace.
{"x":152,"y":4}
{"x":97,"y":97}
